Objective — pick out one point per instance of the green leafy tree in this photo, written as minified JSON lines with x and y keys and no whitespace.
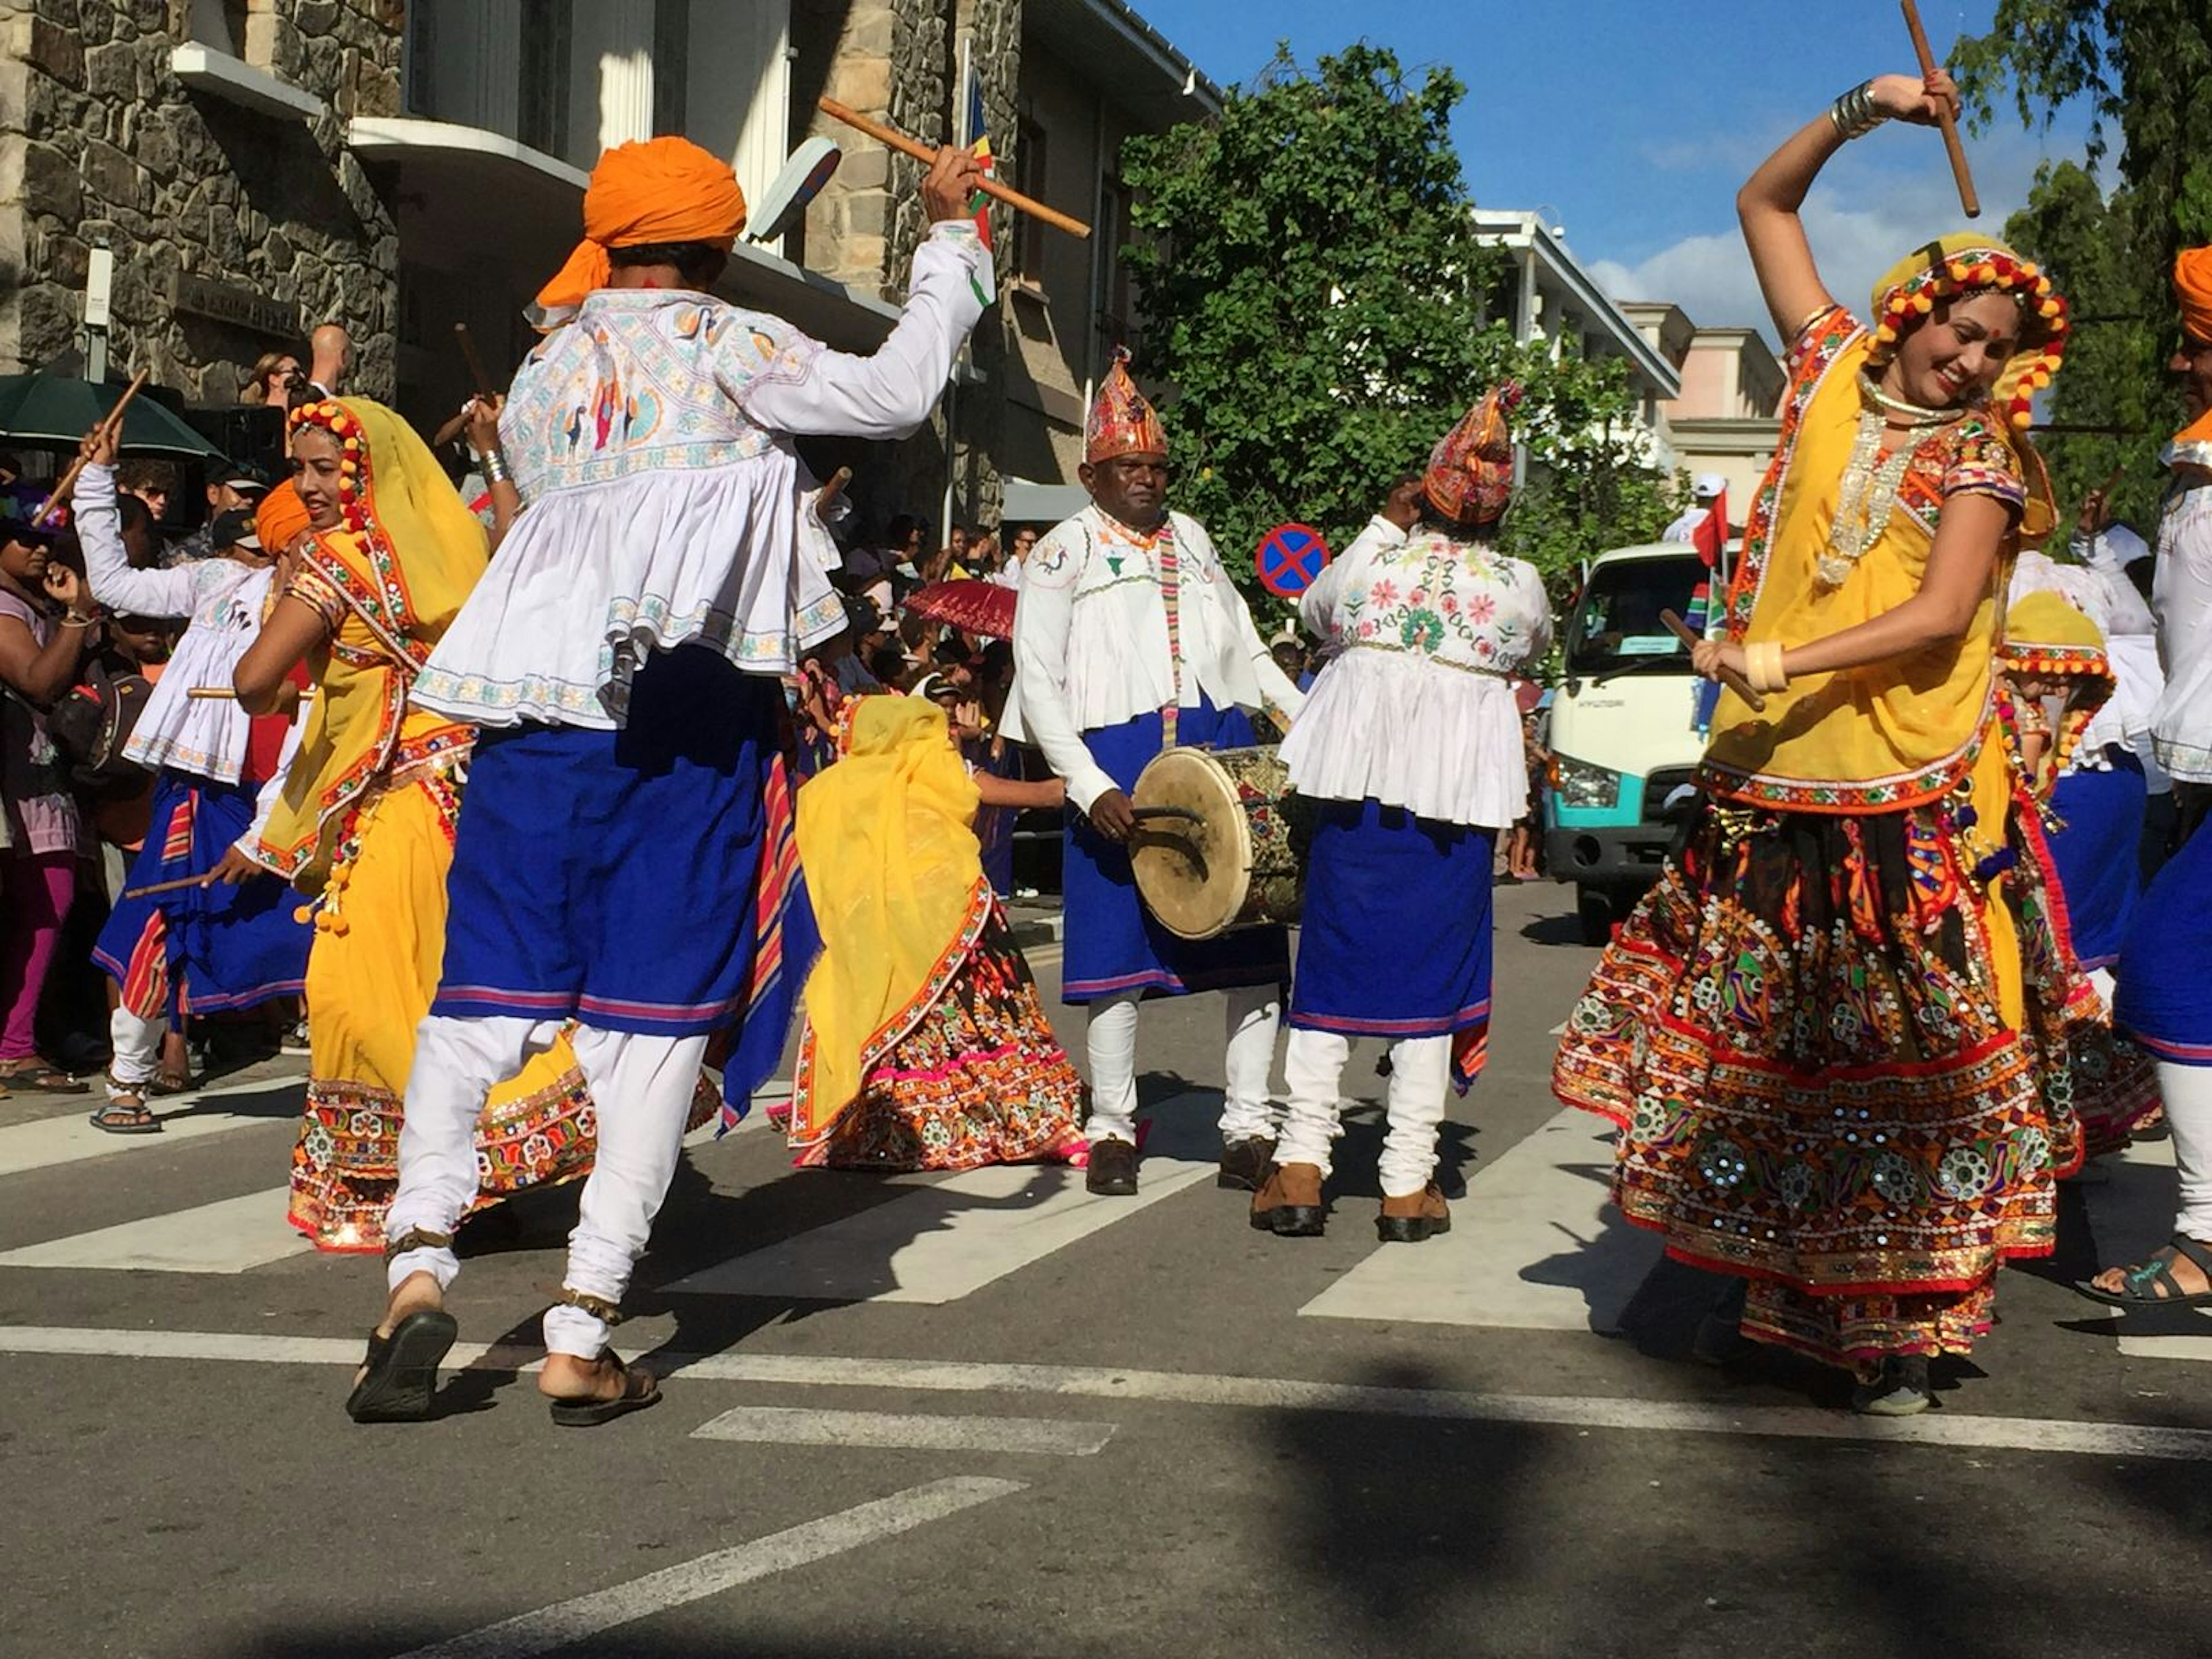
{"x":1315,"y":298}
{"x":2144,"y":67}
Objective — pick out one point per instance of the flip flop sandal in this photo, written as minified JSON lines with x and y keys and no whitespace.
{"x":44,"y":1076}
{"x":2151,"y":1285}
{"x":403,"y":1370}
{"x":119,"y":1118}
{"x":640,"y":1389}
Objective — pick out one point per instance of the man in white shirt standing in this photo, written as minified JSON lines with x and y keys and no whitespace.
{"x":1130,"y":639}
{"x":1410,"y":751}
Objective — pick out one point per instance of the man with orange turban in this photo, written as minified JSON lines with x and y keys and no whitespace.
{"x":621,"y":660}
{"x":2164,"y":997}
{"x":1410,"y":751}
{"x":235,"y":941}
{"x":1130,"y":639}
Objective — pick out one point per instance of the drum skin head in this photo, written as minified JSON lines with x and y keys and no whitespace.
{"x":1193,"y":877}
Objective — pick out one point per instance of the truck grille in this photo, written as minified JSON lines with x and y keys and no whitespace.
{"x":1660,"y":784}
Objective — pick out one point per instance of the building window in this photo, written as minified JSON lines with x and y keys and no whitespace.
{"x":543,"y":118}
{"x":672,"y":52}
{"x":418,"y":70}
{"x":219,"y":25}
{"x":1028,"y":250}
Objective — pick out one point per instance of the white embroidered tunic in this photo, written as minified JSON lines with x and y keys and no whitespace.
{"x":651,"y":438}
{"x":1414,"y":710}
{"x":1090,"y":641}
{"x":2181,"y":728}
{"x":225,"y":601}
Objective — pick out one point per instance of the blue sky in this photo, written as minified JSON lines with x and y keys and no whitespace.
{"x":1634,"y":124}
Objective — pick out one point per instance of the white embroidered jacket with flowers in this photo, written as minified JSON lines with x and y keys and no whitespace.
{"x":665,"y":505}
{"x":1414,"y":710}
{"x":1091,"y":642}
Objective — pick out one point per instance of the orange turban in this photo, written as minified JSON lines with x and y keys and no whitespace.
{"x":280,"y":518}
{"x":660,"y":190}
{"x":1122,"y":423}
{"x":2192,"y":286}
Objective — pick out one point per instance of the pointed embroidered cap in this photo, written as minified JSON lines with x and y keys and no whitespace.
{"x":1122,"y":423}
{"x":1470,"y":474}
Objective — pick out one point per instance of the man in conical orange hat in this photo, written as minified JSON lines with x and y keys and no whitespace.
{"x":1410,"y":755}
{"x":621,"y":659}
{"x":1131,"y":639}
{"x":2164,"y":996}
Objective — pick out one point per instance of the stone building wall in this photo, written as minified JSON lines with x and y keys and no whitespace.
{"x":98,"y":141}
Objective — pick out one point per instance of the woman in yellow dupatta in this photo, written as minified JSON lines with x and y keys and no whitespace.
{"x":365,"y":825}
{"x":926,"y":1046}
{"x":1833,"y":1035}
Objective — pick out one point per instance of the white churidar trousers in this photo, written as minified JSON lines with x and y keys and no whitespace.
{"x":641,"y":1091}
{"x":1254,"y":1014}
{"x":1420,"y":1072}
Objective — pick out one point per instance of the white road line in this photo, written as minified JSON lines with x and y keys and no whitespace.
{"x":2131,"y":1200}
{"x":567,"y":1622}
{"x":70,"y":1139}
{"x":229,"y":1236}
{"x":1535,"y":1245}
{"x":781,"y":1425}
{"x":1943,"y":1428}
{"x":950,"y":1235}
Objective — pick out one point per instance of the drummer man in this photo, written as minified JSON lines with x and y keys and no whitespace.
{"x":1130,"y":639}
{"x":1410,"y":749}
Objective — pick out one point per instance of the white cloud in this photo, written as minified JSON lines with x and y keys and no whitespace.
{"x":1866,"y":214}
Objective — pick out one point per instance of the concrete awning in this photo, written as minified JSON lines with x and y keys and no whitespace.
{"x":1042,"y":503}
{"x":476,"y":199}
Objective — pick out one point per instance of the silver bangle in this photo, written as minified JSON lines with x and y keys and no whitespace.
{"x":494,"y":462}
{"x":1855,"y":114}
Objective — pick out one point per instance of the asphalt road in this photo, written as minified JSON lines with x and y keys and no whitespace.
{"x":988,"y":1415}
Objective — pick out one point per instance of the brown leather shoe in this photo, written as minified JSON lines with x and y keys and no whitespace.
{"x":1113,"y":1169}
{"x":1288,"y":1203}
{"x":1245,"y":1163}
{"x":1417,"y":1215}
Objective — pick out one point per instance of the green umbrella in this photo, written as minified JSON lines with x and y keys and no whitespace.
{"x":54,"y":411}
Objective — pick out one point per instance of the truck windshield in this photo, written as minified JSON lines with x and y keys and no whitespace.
{"x":1616,"y":623}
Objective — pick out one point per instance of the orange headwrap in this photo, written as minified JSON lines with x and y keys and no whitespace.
{"x":660,"y":190}
{"x":1470,"y":474}
{"x":2192,"y":286}
{"x":280,"y":518}
{"x":1122,"y":423}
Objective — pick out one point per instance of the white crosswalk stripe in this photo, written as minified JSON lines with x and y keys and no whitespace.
{"x":987,"y":1223}
{"x":1534,"y":1245}
{"x":229,"y":1236}
{"x":71,"y":1138}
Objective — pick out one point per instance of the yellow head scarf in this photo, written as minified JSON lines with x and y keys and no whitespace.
{"x":896,"y":881}
{"x":404,"y":556}
{"x":2047,"y":638}
{"x":1963,"y":262}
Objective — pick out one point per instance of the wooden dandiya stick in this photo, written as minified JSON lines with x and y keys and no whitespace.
{"x":1960,"y":174}
{"x":225,"y":694}
{"x":1734,"y":682}
{"x":111,"y":422}
{"x":452,"y":429}
{"x":827,"y":498}
{"x":166,"y":887}
{"x":924,"y":154}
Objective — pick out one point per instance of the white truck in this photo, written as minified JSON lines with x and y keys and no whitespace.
{"x":1624,"y":729}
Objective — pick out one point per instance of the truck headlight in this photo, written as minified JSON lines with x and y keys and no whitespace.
{"x":1581,"y":784}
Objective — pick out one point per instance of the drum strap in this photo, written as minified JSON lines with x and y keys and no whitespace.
{"x":1171,"y":596}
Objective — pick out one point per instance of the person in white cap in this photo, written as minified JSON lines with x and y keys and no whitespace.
{"x":1708,"y":489}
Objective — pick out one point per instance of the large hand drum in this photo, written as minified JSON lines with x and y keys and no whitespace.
{"x":1220,"y":842}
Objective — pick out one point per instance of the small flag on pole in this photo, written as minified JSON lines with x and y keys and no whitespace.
{"x":979,"y":144}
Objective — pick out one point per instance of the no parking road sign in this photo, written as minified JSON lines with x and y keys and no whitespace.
{"x":1289,"y":558}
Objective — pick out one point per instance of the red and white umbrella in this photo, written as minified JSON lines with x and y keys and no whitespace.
{"x":971,"y":606}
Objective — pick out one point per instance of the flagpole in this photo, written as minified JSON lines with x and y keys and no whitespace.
{"x":963,"y":105}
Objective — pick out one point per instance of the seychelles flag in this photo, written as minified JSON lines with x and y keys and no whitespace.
{"x":979,"y":142}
